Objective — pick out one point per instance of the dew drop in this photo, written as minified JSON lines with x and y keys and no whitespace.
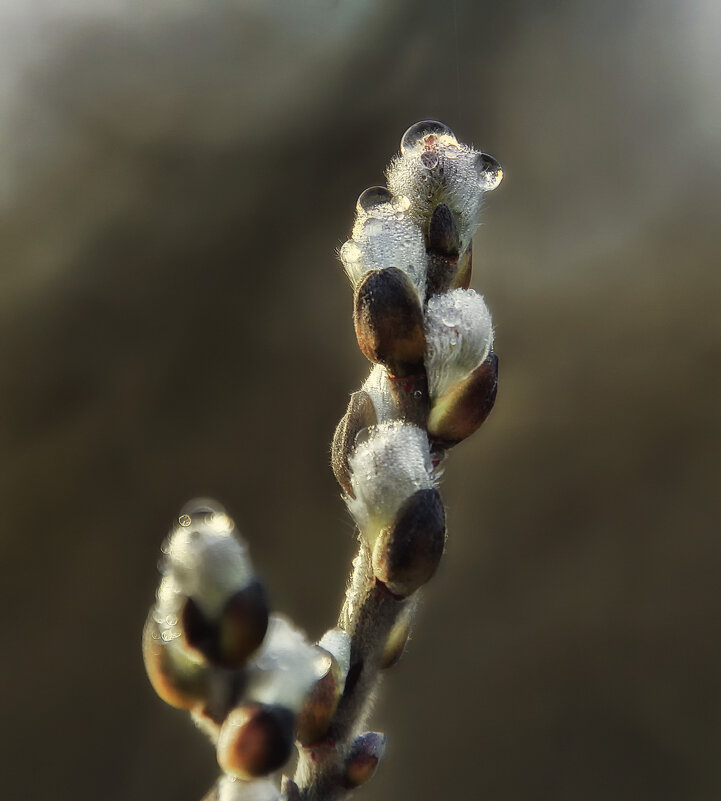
{"x":419,"y":130}
{"x":350,"y":252}
{"x":429,"y":159}
{"x":452,"y":152}
{"x":167,"y":636}
{"x":401,"y":203}
{"x":418,"y":394}
{"x":372,"y":197}
{"x":491,"y":172}
{"x":184,"y":520}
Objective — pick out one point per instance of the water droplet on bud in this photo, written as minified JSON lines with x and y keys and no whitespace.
{"x":372,"y":197}
{"x":184,"y":520}
{"x":401,"y":203}
{"x":429,"y":159}
{"x":419,"y":130}
{"x":491,"y":172}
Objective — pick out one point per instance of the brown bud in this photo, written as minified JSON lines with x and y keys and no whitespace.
{"x":359,"y":415}
{"x":362,"y":761}
{"x":406,"y":554}
{"x":238,"y":631}
{"x":176,"y":677}
{"x":465,"y":407}
{"x":388,"y":321}
{"x":321,"y":702}
{"x":443,"y":249}
{"x":255,"y":740}
{"x":397,"y":639}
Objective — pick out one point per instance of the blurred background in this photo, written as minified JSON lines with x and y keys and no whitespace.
{"x":175,"y":179}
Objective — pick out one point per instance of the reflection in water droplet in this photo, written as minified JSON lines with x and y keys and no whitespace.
{"x":171,"y":620}
{"x":167,"y":636}
{"x":184,"y":520}
{"x":491,"y":172}
{"x":418,"y":394}
{"x":401,"y":203}
{"x":421,"y":129}
{"x":452,"y":152}
{"x":350,"y":252}
{"x":429,"y":159}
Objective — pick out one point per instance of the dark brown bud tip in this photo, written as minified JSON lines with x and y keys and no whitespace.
{"x":255,"y":740}
{"x":463,"y":409}
{"x":238,"y":631}
{"x":388,"y":321}
{"x":360,"y":414}
{"x":362,"y":761}
{"x":176,"y":677}
{"x":320,"y":705}
{"x":406,"y":555}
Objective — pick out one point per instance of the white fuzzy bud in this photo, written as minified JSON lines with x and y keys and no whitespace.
{"x":384,"y":237}
{"x":435,"y":168}
{"x":386,"y":469}
{"x":337,"y":642}
{"x":204,"y":560}
{"x":231,"y":788}
{"x":378,"y":387}
{"x":285,"y":667}
{"x":459,"y":335}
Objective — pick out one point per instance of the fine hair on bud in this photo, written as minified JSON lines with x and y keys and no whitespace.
{"x":434,"y":168}
{"x":284,"y":668}
{"x":386,"y":469}
{"x":206,"y":560}
{"x":459,"y":336}
{"x":385,"y":236}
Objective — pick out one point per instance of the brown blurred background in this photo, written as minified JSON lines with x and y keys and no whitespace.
{"x":174,"y":181}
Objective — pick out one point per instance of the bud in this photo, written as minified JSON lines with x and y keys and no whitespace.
{"x":459,"y":336}
{"x":406,"y":555}
{"x":255,"y":740}
{"x":238,"y":631}
{"x":466,"y":406}
{"x":385,"y":236}
{"x":399,"y":635}
{"x":284,"y":669}
{"x":388,"y":321}
{"x":362,"y":761}
{"x":359,"y":415}
{"x":177,"y":676}
{"x":434,"y":168}
{"x":443,"y":250}
{"x":210,"y":589}
{"x":386,"y":469}
{"x":320,"y":705}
